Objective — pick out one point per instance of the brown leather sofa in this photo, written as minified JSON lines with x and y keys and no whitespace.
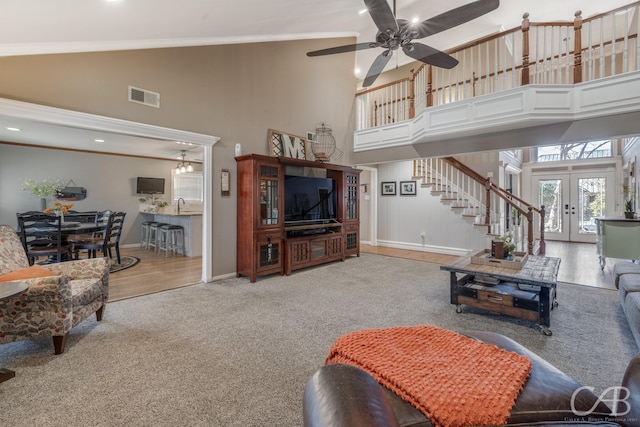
{"x":341,"y":395}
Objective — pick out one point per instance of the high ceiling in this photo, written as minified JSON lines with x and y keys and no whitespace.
{"x":45,"y":26}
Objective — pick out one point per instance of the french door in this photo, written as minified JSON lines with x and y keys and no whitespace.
{"x":572,"y":201}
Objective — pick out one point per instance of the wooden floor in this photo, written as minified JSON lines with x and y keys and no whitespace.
{"x":156,"y":273}
{"x":580,"y":263}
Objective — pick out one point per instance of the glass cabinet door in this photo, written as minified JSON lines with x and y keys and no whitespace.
{"x":269,"y":194}
{"x":352,"y":196}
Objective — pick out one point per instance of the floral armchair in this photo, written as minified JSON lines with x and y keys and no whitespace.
{"x":59,"y":296}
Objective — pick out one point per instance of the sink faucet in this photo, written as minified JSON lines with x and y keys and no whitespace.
{"x":178,"y":204}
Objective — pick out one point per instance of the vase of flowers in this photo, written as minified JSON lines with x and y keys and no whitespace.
{"x":43,"y":189}
{"x":59,"y":209}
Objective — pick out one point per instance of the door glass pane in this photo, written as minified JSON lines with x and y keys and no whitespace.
{"x":550,"y":196}
{"x":591,"y":203}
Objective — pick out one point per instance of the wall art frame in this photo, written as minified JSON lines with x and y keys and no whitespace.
{"x":408,"y":188}
{"x":388,"y":188}
{"x":282,"y":144}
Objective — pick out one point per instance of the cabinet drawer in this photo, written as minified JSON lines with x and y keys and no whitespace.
{"x":495,"y":298}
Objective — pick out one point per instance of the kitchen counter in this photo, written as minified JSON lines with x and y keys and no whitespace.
{"x":190,"y":221}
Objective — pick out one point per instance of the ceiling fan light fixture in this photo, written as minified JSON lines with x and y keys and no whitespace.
{"x":394,"y":33}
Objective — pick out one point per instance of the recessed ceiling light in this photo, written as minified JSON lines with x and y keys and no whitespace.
{"x":415,"y":20}
{"x":99,"y":140}
{"x":13,"y":129}
{"x":362,"y":11}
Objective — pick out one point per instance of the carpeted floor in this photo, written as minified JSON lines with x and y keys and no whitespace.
{"x":232,"y":353}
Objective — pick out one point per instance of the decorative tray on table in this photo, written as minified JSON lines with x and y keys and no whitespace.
{"x":514,"y":262}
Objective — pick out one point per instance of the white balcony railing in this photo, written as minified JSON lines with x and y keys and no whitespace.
{"x":534,"y":53}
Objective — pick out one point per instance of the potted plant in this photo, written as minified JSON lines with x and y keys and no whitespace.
{"x":629,"y":211}
{"x":160,"y":205}
{"x":507,"y":245}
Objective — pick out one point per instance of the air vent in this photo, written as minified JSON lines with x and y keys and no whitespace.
{"x":145,"y":97}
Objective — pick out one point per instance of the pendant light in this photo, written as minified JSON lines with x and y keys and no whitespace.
{"x":184,"y":165}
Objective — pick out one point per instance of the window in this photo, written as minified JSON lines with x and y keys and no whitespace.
{"x":580,"y":150}
{"x":188,"y":186}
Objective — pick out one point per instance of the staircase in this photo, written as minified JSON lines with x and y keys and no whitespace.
{"x":476,"y":198}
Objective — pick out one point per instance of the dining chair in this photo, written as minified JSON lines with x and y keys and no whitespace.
{"x":93,"y":241}
{"x":41,"y":236}
{"x":109,"y":239}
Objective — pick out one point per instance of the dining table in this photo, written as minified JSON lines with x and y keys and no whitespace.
{"x":71,"y":228}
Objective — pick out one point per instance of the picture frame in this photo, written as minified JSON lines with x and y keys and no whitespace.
{"x":388,"y":188}
{"x":408,"y":188}
{"x":283,"y":144}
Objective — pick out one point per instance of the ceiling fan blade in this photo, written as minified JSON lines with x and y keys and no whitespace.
{"x":454,"y":17}
{"x":343,"y":49}
{"x":377,"y":67}
{"x":382,"y":16}
{"x":429,"y":55}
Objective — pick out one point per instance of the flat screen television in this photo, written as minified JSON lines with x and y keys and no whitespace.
{"x":150,"y":185}
{"x":309,"y":199}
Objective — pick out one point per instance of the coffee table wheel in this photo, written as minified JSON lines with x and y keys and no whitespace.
{"x":459,"y":308}
{"x":545,"y":330}
{"x":555,"y":304}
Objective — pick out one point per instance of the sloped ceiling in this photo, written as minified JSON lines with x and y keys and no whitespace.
{"x":45,"y":26}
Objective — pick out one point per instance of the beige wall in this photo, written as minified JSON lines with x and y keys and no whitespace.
{"x":236,"y":92}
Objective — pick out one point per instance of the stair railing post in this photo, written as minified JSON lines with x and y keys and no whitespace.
{"x":412,"y":95}
{"x":430,"y":87}
{"x":543,"y":245}
{"x":577,"y":48}
{"x":375,"y":113}
{"x":487,"y":218}
{"x":525,"y":49}
{"x":530,"y":237}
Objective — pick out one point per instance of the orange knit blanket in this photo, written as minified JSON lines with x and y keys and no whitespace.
{"x":454,"y":380}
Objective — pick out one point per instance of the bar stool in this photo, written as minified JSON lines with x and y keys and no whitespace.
{"x":146,"y":234}
{"x":171,"y":239}
{"x":154,"y":235}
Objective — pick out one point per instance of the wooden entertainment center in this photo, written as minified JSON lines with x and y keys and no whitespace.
{"x":273,"y":236}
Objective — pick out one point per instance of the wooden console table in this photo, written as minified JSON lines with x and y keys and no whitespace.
{"x":529,"y":293}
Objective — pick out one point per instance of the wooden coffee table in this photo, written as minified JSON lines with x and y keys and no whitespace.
{"x":528,"y":293}
{"x":9,"y":289}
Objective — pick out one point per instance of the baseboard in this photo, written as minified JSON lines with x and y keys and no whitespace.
{"x":425,"y":248}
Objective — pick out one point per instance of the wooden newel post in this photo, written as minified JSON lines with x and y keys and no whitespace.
{"x":430,"y":87}
{"x":487,"y":213}
{"x":525,"y":49}
{"x":530,"y":237}
{"x":543,"y":246}
{"x":412,"y":95}
{"x":577,"y":48}
{"x":375,"y":113}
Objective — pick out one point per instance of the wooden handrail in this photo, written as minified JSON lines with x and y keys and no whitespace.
{"x":528,"y":210}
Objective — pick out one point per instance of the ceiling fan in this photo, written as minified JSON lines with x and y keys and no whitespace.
{"x":399,"y":33}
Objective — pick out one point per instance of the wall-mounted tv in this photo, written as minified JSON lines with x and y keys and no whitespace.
{"x":309,"y":199}
{"x":150,"y":185}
